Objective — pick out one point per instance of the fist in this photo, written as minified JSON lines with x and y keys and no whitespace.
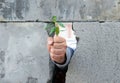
{"x":57,"y":48}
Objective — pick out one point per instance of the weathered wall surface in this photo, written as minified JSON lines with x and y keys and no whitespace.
{"x":97,"y":58}
{"x":23,"y":52}
{"x":65,"y":10}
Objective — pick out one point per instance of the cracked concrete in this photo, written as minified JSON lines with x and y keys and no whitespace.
{"x":23,"y":53}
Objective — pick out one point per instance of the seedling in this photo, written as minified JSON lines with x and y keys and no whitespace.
{"x":53,"y":28}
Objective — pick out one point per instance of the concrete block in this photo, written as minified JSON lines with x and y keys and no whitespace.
{"x":24,"y":57}
{"x":97,"y":57}
{"x":65,"y":10}
{"x":23,"y":53}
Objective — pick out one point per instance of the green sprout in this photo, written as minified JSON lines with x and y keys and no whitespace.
{"x":54,"y":27}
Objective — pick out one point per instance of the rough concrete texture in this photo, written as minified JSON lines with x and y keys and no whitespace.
{"x":65,"y":10}
{"x":24,"y":57}
{"x":23,"y":53}
{"x":97,"y":58}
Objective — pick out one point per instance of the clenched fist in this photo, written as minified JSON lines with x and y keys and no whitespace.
{"x":57,"y":48}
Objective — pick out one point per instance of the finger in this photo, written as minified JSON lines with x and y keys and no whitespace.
{"x":53,"y":57}
{"x":59,"y":39}
{"x":57,"y":58}
{"x":58,"y":51}
{"x":60,"y":45}
{"x":50,"y":42}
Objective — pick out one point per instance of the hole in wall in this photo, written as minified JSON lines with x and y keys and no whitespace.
{"x":57,"y":74}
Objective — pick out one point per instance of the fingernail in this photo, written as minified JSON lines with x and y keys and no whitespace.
{"x":50,"y":40}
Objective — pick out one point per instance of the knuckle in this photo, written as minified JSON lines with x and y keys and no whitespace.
{"x":59,"y":39}
{"x":52,"y":50}
{"x":52,"y":56}
{"x":56,"y":45}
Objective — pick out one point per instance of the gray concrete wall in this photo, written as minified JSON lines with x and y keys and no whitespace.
{"x":65,"y":10}
{"x":97,"y":58}
{"x":23,"y":52}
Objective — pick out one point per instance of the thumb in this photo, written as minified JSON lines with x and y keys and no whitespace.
{"x":50,"y":40}
{"x":49,"y":44}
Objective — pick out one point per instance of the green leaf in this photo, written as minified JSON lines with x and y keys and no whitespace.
{"x":49,"y":25}
{"x":61,"y":24}
{"x":54,"y":18}
{"x":57,"y":30}
{"x":52,"y":30}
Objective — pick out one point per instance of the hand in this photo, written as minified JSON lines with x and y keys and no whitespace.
{"x":57,"y":48}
